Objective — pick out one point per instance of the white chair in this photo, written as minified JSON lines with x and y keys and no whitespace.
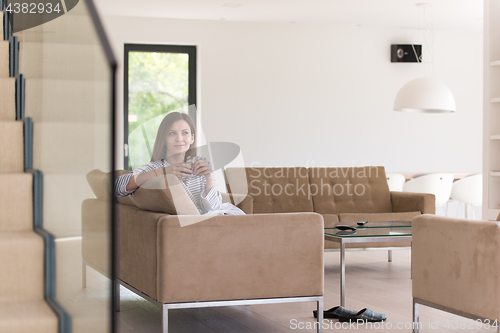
{"x":469,"y":190}
{"x":438,"y":184}
{"x":395,"y":181}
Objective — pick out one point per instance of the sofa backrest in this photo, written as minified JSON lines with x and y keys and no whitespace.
{"x":338,"y":190}
{"x":274,"y":189}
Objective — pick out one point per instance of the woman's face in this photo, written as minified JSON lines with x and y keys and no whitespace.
{"x":179,"y":138}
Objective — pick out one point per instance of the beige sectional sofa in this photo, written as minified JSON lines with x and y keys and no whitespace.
{"x":273,"y":254}
{"x":340,"y":195}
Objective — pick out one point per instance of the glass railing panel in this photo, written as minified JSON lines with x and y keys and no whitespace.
{"x":69,"y":94}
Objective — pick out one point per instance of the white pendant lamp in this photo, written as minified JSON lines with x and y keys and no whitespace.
{"x":425,"y":95}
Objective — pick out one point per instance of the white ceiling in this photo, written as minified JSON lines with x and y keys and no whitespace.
{"x":445,"y":14}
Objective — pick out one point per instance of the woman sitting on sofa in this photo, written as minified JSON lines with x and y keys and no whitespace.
{"x":172,"y":155}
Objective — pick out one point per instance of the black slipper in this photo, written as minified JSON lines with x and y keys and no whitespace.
{"x":336,"y":312}
{"x":364,"y":315}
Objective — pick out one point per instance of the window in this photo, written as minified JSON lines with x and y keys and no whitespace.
{"x":158,"y":79}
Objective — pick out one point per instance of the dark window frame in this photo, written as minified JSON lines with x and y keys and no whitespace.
{"x":190,"y":50}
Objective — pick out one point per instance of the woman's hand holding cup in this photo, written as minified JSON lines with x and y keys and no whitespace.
{"x":181,"y":170}
{"x":202,"y":168}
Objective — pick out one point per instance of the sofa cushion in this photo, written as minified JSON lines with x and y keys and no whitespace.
{"x":498,"y":217}
{"x":377,"y":217}
{"x":101,"y":184}
{"x":243,"y":202}
{"x":274,"y":190}
{"x":350,"y":190}
{"x":126,"y":201}
{"x":164,"y":194}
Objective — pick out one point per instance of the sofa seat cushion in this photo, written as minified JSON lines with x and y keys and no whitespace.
{"x":274,"y":190}
{"x":350,"y":190}
{"x":377,"y":217}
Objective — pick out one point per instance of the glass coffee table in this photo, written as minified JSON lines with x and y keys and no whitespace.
{"x":371,"y":232}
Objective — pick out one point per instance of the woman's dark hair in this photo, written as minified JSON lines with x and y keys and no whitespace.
{"x":160,"y":148}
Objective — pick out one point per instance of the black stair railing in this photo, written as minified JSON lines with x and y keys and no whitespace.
{"x":20,"y":100}
{"x":13,"y":56}
{"x":7,"y":21}
{"x":49,"y":262}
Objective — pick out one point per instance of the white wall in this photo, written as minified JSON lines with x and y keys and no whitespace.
{"x":310,"y":94}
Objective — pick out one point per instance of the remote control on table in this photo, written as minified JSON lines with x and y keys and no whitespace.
{"x":345,"y":227}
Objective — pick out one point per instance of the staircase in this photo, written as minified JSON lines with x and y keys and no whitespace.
{"x":25,"y":298}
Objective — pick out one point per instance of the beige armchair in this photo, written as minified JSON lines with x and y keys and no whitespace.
{"x":221,"y":261}
{"x":456,"y":267}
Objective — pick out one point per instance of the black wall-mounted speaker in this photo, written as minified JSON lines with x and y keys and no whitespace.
{"x":406,"y":53}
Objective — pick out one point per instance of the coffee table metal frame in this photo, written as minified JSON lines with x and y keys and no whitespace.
{"x":360,"y":239}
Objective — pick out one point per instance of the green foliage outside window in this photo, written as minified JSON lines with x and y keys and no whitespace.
{"x":157,"y":84}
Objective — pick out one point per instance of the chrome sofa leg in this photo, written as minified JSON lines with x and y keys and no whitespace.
{"x":164,"y":318}
{"x":320,"y":315}
{"x":389,"y":256}
{"x":116,"y":285}
{"x":84,"y":275}
{"x":416,"y":317}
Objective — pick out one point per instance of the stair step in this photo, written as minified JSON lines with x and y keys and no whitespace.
{"x":21,"y":267}
{"x":16,"y":204}
{"x":7,"y":97}
{"x":27,"y":317}
{"x":12,"y":146}
{"x":4,"y":58}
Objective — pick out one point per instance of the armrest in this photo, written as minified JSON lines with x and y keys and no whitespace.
{"x":455,"y":263}
{"x":96,"y":234}
{"x":413,"y":202}
{"x":240,"y":257}
{"x":243,"y":202}
{"x":136,"y":240}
